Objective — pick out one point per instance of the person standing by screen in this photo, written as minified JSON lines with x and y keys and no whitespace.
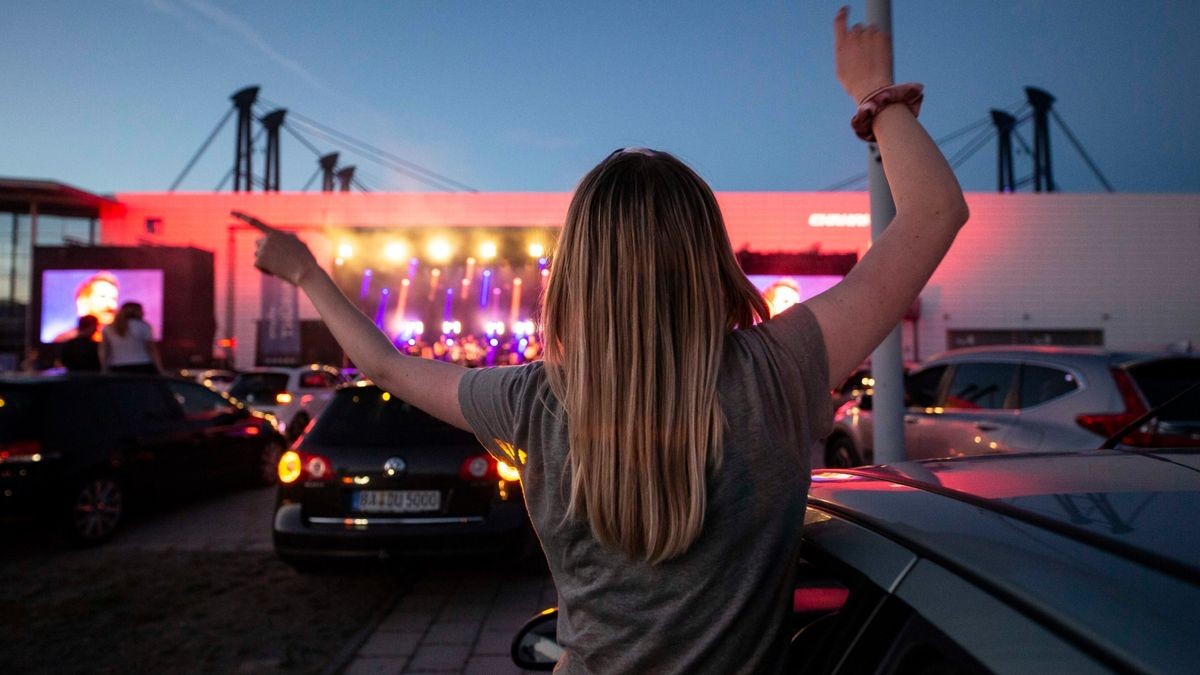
{"x":82,"y":353}
{"x":127,"y":345}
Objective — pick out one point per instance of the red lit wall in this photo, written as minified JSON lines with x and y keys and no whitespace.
{"x":1123,"y":264}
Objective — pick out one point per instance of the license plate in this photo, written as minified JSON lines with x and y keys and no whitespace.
{"x":397,"y":501}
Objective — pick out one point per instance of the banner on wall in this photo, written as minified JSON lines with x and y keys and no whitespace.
{"x":279,"y":337}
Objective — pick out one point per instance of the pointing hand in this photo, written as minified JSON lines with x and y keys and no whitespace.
{"x":280,"y":253}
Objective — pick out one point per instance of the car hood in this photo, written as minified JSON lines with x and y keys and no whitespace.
{"x":1143,"y":501}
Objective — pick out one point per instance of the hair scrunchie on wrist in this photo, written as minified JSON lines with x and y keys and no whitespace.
{"x":909,"y":93}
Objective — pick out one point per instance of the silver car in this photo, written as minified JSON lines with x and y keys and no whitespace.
{"x":986,"y":400}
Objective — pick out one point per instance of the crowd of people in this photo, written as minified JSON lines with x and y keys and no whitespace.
{"x":475,"y":350}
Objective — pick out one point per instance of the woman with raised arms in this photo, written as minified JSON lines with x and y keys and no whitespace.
{"x":663,"y":442}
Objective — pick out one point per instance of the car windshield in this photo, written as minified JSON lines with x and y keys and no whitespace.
{"x":1160,"y":380}
{"x":369,"y":417}
{"x":258,"y":387}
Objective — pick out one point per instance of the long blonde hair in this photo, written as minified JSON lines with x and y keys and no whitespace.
{"x":642,"y":291}
{"x":128,"y":311}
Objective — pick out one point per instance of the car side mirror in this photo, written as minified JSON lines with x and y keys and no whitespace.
{"x":536,"y":645}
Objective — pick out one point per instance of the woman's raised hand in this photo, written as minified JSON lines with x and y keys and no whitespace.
{"x":863,"y":55}
{"x":280,"y":253}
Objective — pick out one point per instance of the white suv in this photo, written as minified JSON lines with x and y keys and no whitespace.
{"x":985,"y":400}
{"x":294,"y":396}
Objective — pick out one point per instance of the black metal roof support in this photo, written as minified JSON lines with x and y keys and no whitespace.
{"x":271,"y":122}
{"x":328,"y":164}
{"x":345,"y":176}
{"x":243,"y":167}
{"x":1079,"y":146}
{"x":203,"y":146}
{"x":1043,"y":177}
{"x":1004,"y":155}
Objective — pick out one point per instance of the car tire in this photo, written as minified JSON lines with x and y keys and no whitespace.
{"x":841,"y":454}
{"x":296,"y":427}
{"x":94,"y":510}
{"x":268,"y":463}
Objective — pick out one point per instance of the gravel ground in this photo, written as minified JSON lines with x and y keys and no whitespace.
{"x":192,"y":588}
{"x":179,"y":612}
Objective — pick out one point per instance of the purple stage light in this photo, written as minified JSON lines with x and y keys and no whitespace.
{"x":365,"y":289}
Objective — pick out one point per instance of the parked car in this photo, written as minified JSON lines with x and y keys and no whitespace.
{"x":859,"y":383}
{"x":75,"y":449}
{"x":1060,"y":562}
{"x":376,"y":477}
{"x":213,"y":378}
{"x":292,"y":395}
{"x":1016,"y":399}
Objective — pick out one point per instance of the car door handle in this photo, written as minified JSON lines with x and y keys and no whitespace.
{"x":910,"y":419}
{"x":984,"y":426}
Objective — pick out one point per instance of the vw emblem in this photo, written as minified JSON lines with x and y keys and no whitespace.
{"x":394,"y":466}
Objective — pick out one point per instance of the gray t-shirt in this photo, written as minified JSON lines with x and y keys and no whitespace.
{"x":722,"y":606}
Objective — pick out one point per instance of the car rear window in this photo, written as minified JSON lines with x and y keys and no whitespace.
{"x":258,"y":387}
{"x":369,"y":417}
{"x":1040,"y":384}
{"x":1161,"y":379}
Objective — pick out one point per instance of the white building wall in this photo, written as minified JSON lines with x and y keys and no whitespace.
{"x":1123,"y":264}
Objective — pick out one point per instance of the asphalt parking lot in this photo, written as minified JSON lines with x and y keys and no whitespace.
{"x":447,"y":616}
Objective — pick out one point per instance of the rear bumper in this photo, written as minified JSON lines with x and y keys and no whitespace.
{"x":504,"y":530}
{"x":28,"y":489}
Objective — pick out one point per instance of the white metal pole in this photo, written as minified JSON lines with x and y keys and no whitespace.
{"x":887,"y":366}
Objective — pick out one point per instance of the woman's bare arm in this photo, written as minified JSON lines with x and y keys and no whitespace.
{"x":155,"y":357}
{"x":858,"y":313}
{"x":430,"y":385}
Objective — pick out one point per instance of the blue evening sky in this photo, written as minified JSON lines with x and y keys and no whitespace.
{"x":526,"y":96}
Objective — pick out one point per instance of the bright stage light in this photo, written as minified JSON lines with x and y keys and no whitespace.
{"x":345,"y":251}
{"x":440,"y":250}
{"x":494,"y":328}
{"x":451,"y":327}
{"x":395,"y":251}
{"x":488,"y":250}
{"x":536,"y":250}
{"x":522,"y":328}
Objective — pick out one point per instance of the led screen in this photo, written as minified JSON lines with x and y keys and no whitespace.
{"x":784,"y":290}
{"x":70,"y":294}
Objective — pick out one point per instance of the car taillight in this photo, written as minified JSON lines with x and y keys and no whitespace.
{"x":478,"y":467}
{"x":283,"y":399}
{"x":21,"y":451}
{"x":485,"y":467}
{"x":1107,"y":424}
{"x":819,"y":599}
{"x":295,"y":465}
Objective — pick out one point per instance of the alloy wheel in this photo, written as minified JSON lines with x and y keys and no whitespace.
{"x":98,"y":508}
